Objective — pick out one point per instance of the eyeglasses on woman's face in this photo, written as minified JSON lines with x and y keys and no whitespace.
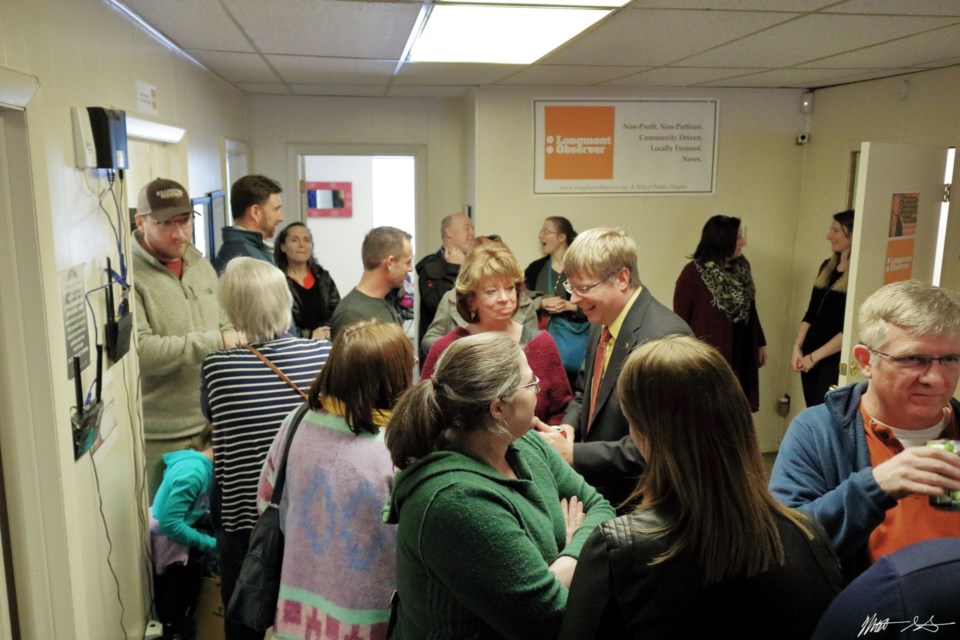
{"x":535,"y":384}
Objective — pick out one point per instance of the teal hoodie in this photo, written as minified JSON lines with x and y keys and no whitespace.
{"x":474,"y":547}
{"x":184,"y":497}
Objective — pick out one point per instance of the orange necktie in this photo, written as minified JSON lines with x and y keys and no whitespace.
{"x":598,"y":371}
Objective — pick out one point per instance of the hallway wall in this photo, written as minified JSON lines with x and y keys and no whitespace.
{"x":759,"y":172}
{"x":86,"y":54}
{"x":843,"y":118}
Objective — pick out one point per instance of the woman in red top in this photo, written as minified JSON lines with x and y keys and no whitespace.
{"x":487,"y":289}
{"x":715,"y":295}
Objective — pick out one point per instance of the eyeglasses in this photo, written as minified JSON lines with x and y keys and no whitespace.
{"x":547,"y":232}
{"x":535,"y":384}
{"x":919,"y":361}
{"x":585,"y":289}
{"x":184,"y":221}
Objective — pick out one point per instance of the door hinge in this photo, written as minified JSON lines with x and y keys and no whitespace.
{"x":303,"y":186}
{"x":946,"y":192}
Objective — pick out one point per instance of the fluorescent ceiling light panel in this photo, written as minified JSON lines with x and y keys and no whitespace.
{"x":498,"y":34}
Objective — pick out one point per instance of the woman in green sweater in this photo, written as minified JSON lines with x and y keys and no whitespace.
{"x":491,"y":519}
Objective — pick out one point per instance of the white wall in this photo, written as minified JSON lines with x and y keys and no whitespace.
{"x":758,"y":179}
{"x":365,"y":125}
{"x":85,"y":54}
{"x":337,"y":240}
{"x":843,"y":118}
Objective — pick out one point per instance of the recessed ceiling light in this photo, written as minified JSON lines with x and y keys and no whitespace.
{"x":498,"y":34}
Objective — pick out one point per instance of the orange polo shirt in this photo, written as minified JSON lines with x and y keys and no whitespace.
{"x":912,"y":519}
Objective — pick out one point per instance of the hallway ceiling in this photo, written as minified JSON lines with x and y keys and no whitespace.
{"x":351,"y":48}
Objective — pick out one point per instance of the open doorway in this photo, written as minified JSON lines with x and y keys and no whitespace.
{"x":344,"y":195}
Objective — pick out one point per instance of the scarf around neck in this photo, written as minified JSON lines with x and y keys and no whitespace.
{"x":732,"y":288}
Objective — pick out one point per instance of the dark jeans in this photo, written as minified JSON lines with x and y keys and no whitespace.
{"x":818,"y":380}
{"x":233,"y":548}
{"x":175,"y":595}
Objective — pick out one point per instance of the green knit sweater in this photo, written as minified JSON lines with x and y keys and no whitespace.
{"x":474,"y":547}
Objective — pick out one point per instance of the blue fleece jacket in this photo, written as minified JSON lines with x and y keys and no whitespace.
{"x":823,"y":469}
{"x":184,"y":497}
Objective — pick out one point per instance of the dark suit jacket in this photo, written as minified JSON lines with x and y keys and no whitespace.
{"x":605,"y":456}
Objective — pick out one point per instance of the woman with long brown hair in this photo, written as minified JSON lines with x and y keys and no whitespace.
{"x":708,"y":548}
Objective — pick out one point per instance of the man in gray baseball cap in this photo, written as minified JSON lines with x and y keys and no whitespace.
{"x":178,"y":320}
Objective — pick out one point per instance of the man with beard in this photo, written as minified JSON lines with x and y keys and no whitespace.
{"x":178,"y":320}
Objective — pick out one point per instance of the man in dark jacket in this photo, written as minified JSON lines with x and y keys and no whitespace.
{"x":437,"y":273}
{"x":257,"y":210}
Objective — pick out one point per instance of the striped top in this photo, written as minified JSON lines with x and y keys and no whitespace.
{"x":246,"y":402}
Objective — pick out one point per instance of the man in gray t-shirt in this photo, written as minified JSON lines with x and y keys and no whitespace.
{"x":387,"y":259}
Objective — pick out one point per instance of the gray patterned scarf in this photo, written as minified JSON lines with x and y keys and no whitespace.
{"x":732,"y":288}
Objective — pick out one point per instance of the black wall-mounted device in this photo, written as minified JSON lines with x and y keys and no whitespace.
{"x":119,"y":324}
{"x":100,"y":138}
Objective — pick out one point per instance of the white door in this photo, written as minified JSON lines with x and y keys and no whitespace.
{"x":899,"y":191}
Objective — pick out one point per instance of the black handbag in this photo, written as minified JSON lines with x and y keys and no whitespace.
{"x":254,"y":600}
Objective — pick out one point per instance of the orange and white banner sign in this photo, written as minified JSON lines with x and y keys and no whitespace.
{"x":625,"y":146}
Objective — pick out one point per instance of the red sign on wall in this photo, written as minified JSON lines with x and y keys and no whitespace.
{"x":329,"y":199}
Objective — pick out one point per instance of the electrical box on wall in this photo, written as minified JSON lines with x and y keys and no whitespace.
{"x":100,"y":138}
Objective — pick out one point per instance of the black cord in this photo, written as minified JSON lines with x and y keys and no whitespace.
{"x":106,"y":531}
{"x":140,"y":493}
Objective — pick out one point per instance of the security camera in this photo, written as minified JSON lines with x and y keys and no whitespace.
{"x":802,"y":139}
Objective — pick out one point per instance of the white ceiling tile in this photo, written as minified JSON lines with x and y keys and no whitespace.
{"x":433,"y":73}
{"x":797,"y":78}
{"x":906,"y":52}
{"x":654,"y":38}
{"x":313,"y":89}
{"x":899,"y":7}
{"x":376,"y":30}
{"x":676,"y":77}
{"x":546,"y":74}
{"x":192,"y":24}
{"x":812,"y":37}
{"x":438,"y":91}
{"x":350,"y":71}
{"x":793,"y":6}
{"x":263,"y":88}
{"x":236,"y":67}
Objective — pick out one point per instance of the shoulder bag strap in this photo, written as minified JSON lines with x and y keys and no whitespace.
{"x":277,"y":371}
{"x":282,"y":469}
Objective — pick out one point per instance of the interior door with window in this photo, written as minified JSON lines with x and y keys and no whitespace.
{"x":899,"y":193}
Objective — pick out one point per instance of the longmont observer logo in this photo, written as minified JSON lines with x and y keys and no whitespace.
{"x":578,"y":143}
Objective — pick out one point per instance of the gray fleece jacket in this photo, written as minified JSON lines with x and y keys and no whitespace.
{"x":178,"y":323}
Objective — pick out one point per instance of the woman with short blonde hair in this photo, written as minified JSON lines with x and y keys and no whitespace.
{"x":487,"y":290}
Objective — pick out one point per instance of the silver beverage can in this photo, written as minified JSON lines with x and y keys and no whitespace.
{"x":949,"y":501}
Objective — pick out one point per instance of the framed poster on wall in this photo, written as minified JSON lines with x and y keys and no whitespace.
{"x":625,"y":147}
{"x":329,"y":199}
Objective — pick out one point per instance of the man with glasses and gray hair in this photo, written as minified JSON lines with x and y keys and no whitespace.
{"x":858,"y":463}
{"x":602,"y":279}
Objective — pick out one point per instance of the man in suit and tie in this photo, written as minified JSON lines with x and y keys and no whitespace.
{"x":602,"y":278}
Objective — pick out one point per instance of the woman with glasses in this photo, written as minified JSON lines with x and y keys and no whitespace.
{"x":491,"y":519}
{"x":544,"y":279}
{"x":816,"y":351}
{"x":716,"y":296}
{"x":487,"y":290}
{"x":708,"y":549}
